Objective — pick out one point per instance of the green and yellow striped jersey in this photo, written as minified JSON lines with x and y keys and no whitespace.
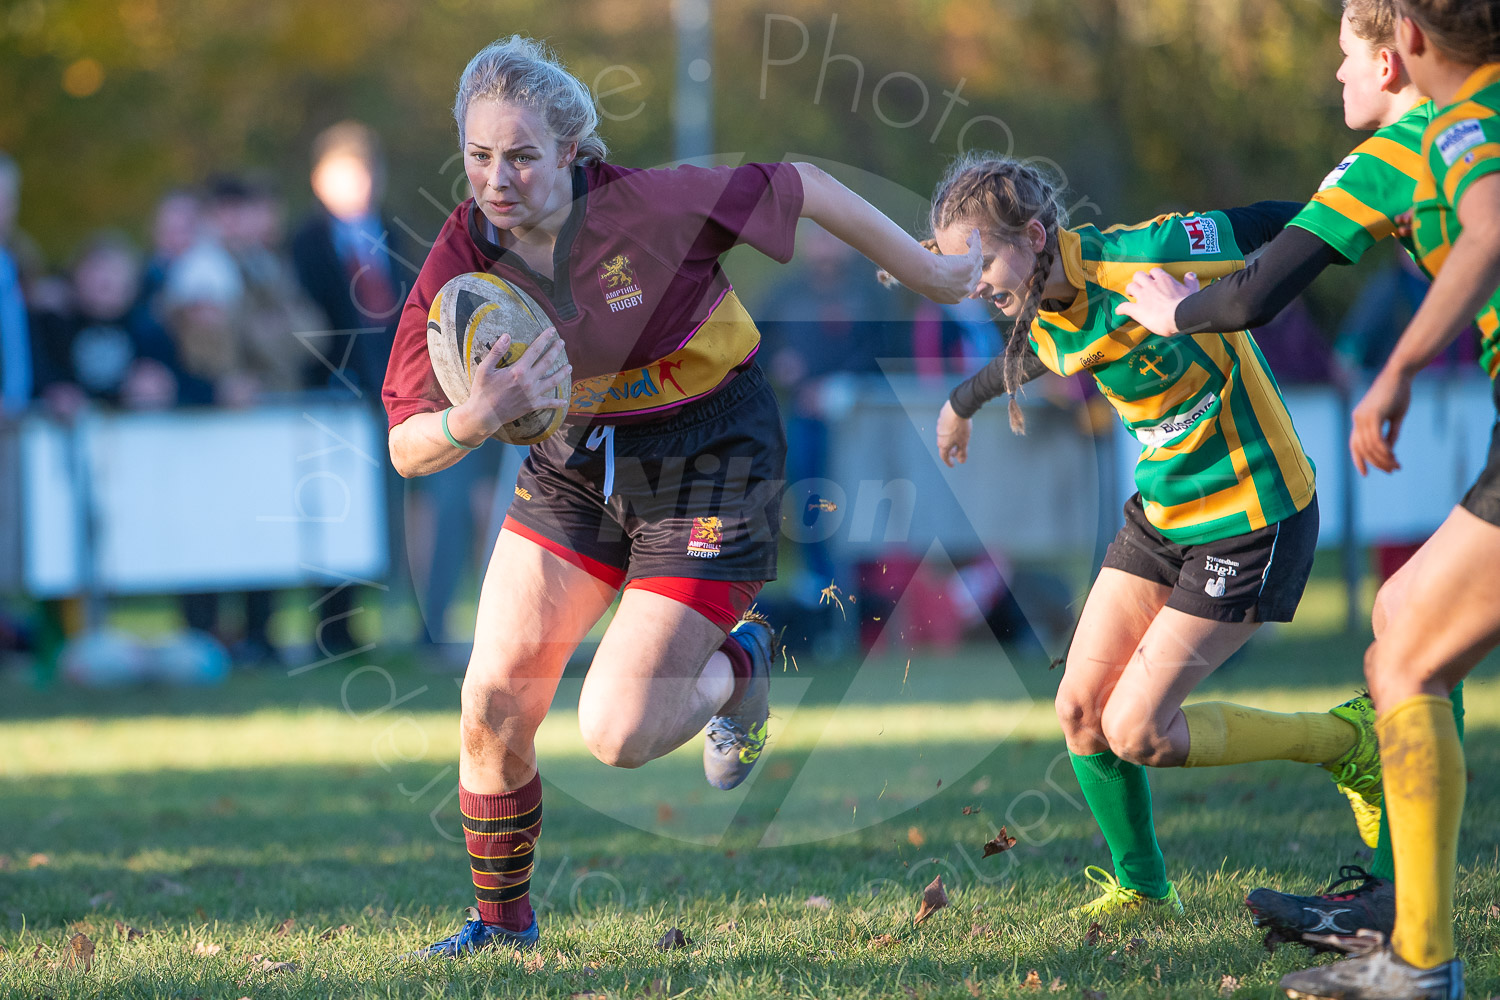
{"x":1221,"y":457}
{"x":1462,"y":142}
{"x":1357,"y":204}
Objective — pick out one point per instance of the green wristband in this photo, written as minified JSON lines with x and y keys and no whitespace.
{"x":455,"y":442}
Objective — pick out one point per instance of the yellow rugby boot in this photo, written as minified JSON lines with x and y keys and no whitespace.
{"x":1118,"y":900}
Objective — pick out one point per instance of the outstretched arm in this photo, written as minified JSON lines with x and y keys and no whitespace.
{"x":1469,"y":277}
{"x":861,"y":225}
{"x":1290,"y":262}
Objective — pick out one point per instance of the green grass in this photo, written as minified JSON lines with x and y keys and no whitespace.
{"x":212,"y":817}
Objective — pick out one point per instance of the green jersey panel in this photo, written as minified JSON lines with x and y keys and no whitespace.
{"x":1220,"y":456}
{"x":1357,"y":204}
{"x":1461,"y":144}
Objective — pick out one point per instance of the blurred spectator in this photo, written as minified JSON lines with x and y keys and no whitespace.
{"x":200,"y":303}
{"x":956,"y":339}
{"x":344,"y":258}
{"x":15,"y":335}
{"x":355,"y":267}
{"x":824,"y":325}
{"x":1380,"y":313}
{"x":104,"y":344}
{"x":273,"y":309}
{"x":1295,"y":347}
{"x":174,"y":228}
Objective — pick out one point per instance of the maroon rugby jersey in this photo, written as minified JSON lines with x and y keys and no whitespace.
{"x":648,"y":317}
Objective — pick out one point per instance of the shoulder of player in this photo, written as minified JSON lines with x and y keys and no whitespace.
{"x":1461,"y":126}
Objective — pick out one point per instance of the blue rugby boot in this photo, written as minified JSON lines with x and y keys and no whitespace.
{"x":734,"y":742}
{"x":476,"y":934}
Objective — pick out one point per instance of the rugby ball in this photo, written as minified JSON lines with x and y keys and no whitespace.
{"x":468,"y":315}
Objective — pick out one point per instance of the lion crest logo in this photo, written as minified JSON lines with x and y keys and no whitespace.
{"x":617,"y":281}
{"x":707,"y":537}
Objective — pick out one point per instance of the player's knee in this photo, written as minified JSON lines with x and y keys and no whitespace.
{"x":615,"y":745}
{"x":1387,"y":601}
{"x":1078,"y":715}
{"x":1132,"y":737}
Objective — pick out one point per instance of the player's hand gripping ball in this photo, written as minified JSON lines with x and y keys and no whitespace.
{"x":467,"y":317}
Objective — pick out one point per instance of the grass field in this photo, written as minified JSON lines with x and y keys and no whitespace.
{"x":237,"y":827}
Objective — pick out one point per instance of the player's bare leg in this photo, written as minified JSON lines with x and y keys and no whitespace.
{"x":534,"y":609}
{"x":1446,"y":623}
{"x":1117,"y":615}
{"x":655,"y":681}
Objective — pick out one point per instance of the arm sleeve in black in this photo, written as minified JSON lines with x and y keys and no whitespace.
{"x":989,"y":382}
{"x":1254,"y":296}
{"x":1256,"y":225}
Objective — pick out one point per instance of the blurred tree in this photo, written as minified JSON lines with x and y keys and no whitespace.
{"x":1144,"y":105}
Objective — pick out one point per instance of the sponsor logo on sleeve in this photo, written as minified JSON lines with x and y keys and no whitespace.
{"x":1458,"y":139}
{"x":1337,"y":173}
{"x":1203,"y":234}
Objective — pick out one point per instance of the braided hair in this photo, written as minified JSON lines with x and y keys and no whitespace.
{"x":1001,"y":197}
{"x":1467,"y":31}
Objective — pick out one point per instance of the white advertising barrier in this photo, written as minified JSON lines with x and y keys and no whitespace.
{"x":203,"y":500}
{"x":1442,"y":446}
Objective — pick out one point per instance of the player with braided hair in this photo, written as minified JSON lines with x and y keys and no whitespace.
{"x":1220,"y":536}
{"x":1448,"y":620}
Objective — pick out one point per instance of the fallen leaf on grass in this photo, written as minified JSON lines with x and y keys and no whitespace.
{"x":99,"y":899}
{"x":1136,"y":946}
{"x":673,"y":939}
{"x":980,"y":930}
{"x":819,"y":903}
{"x":285,"y":927}
{"x":729,"y":926}
{"x":1093,"y":935}
{"x":38,"y":861}
{"x":334,"y":932}
{"x":1227,"y":985}
{"x":1001,"y":843}
{"x":80,"y":953}
{"x":934,"y":898}
{"x":262,"y":964}
{"x":534,"y":962}
{"x":970,"y":810}
{"x":1494,"y":911}
{"x":1033,"y":981}
{"x":882,"y":941}
{"x":128,"y":932}
{"x":915,"y":837}
{"x":1057,"y":985}
{"x":972,"y":987}
{"x":203,"y":949}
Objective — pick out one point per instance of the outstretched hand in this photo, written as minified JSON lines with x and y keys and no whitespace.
{"x":953,"y":436}
{"x":1377,"y":422}
{"x":1154,"y":296}
{"x":956,"y":277}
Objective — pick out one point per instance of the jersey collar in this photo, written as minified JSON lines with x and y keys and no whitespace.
{"x":1070,"y":249}
{"x":559,"y":287}
{"x":1482,"y":77}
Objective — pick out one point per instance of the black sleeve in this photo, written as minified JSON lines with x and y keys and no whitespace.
{"x":1256,"y":225}
{"x":989,"y":382}
{"x":1254,"y":296}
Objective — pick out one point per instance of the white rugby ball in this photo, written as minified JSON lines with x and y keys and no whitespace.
{"x":468,"y":315}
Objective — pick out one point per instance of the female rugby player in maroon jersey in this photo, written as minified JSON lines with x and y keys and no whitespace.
{"x":665,"y":481}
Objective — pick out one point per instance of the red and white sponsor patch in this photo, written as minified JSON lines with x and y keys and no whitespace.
{"x":1203,"y":234}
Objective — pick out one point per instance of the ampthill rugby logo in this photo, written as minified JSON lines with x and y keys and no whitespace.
{"x":617,"y":279}
{"x":707,"y":537}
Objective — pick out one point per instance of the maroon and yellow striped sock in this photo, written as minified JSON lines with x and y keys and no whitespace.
{"x":501,"y":832}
